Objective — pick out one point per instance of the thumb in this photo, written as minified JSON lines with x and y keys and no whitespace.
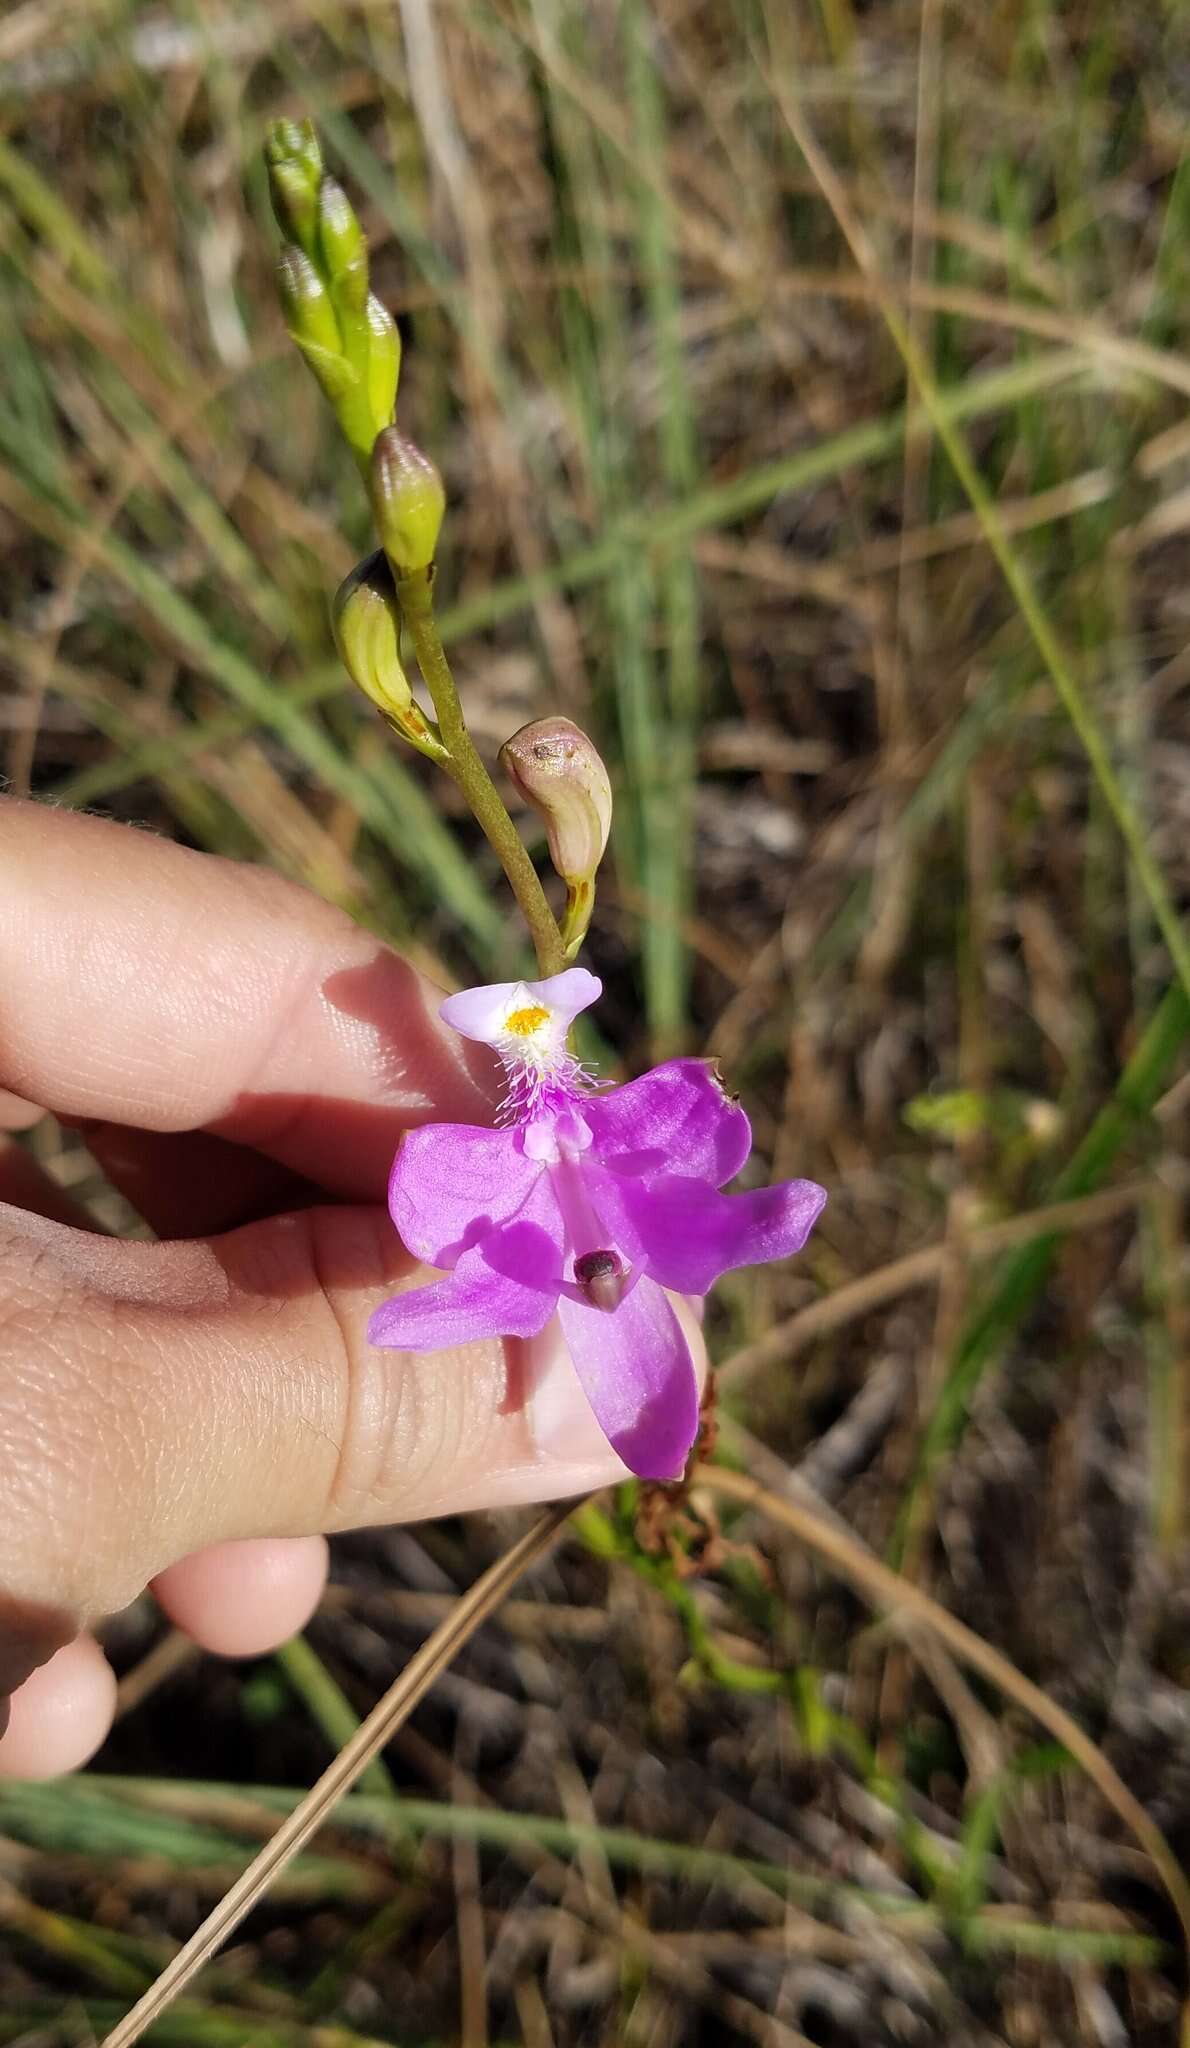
{"x":158,"y":1398}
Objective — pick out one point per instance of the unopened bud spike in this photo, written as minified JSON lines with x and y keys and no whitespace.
{"x":347,"y":338}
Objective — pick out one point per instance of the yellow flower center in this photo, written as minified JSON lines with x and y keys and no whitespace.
{"x":524,"y":1023}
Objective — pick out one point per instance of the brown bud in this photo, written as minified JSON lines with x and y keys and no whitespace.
{"x":556,"y":768}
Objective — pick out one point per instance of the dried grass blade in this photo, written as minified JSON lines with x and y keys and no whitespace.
{"x":293,"y":1834}
{"x":922,"y":1268}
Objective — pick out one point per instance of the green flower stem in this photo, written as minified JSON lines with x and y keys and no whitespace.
{"x":415,"y":593}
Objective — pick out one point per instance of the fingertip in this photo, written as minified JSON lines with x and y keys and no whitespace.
{"x":242,"y":1599}
{"x":61,"y":1715}
{"x":16,"y":1114}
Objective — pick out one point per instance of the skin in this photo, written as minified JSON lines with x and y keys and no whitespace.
{"x":195,"y":1414}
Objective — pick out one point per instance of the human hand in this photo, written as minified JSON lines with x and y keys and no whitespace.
{"x":193,"y":1414}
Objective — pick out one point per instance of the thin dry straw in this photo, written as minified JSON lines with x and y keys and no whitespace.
{"x":370,"y":1737}
{"x":845,"y":1304}
{"x":1011,"y":565}
{"x":884,"y":1588}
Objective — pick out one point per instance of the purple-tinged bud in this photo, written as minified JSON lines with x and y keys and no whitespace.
{"x":602,"y":1277}
{"x":408,"y":502}
{"x":558,"y":770}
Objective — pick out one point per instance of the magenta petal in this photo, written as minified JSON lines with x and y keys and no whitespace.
{"x":675,"y":1119}
{"x":638,"y":1375}
{"x":451,"y":1183}
{"x":687,"y":1235}
{"x":505,"y":1287}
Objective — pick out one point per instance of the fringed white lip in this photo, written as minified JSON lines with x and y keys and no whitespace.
{"x":527,"y":1023}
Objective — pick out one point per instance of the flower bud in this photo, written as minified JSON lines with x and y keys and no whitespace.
{"x":305,"y":302}
{"x":295,"y":142}
{"x":343,"y":247}
{"x":366,"y":620}
{"x":557,"y":769}
{"x":408,"y":502}
{"x":384,"y":362}
{"x":294,"y":163}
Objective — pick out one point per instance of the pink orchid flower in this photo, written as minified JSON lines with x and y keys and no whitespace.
{"x":587,"y":1204}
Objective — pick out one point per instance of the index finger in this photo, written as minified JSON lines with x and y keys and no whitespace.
{"x":144,"y":984}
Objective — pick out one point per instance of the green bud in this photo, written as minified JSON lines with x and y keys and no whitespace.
{"x":343,"y":246}
{"x":384,"y":362}
{"x":367,"y":624}
{"x":294,"y":163}
{"x":305,"y":301}
{"x":408,"y":502}
{"x":343,"y":261}
{"x":559,"y":771}
{"x":296,"y":142}
{"x":366,"y":620}
{"x":348,"y":339}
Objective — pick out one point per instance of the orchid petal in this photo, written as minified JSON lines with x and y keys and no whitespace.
{"x":637,"y":1373}
{"x":687,"y":1235}
{"x":505,"y":1287}
{"x":451,"y":1183}
{"x":677,"y":1118}
{"x":480,"y":1013}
